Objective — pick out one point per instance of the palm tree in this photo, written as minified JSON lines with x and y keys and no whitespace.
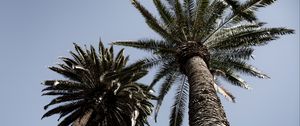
{"x":203,"y":40}
{"x":100,"y":90}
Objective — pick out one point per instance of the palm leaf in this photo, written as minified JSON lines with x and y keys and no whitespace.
{"x":152,"y":22}
{"x":244,"y":11}
{"x":214,"y":12}
{"x":178,"y":108}
{"x":164,"y":13}
{"x":62,"y":108}
{"x":253,"y":37}
{"x":163,"y":71}
{"x":71,"y":118}
{"x":235,"y":80}
{"x":243,"y":53}
{"x":199,"y":15}
{"x":166,"y":85}
{"x":148,"y":45}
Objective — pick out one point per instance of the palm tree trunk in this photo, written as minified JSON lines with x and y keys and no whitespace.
{"x":83,"y":120}
{"x":205,"y":107}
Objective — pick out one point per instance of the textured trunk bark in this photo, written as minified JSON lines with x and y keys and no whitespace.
{"x":205,"y":107}
{"x":84,"y":119}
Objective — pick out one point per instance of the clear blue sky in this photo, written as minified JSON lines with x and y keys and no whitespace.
{"x":33,"y":33}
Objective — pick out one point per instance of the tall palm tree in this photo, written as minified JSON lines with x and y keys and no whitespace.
{"x":100,"y":90}
{"x":203,"y":40}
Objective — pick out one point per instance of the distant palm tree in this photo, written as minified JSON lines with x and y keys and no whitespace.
{"x":203,"y":40}
{"x":100,"y":90}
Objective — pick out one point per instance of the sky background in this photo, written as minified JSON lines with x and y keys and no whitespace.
{"x":34,"y":33}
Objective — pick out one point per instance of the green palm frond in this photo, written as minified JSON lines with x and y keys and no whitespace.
{"x":62,"y":98}
{"x":213,"y":12}
{"x":250,"y":37}
{"x":246,"y":10}
{"x":227,"y":31}
{"x":180,"y":17}
{"x":189,"y":8}
{"x":200,"y":10}
{"x":64,"y":107}
{"x":235,"y":79}
{"x":201,"y":6}
{"x":152,"y":21}
{"x":238,"y":66}
{"x":243,"y":53}
{"x":101,"y":84}
{"x":150,"y":62}
{"x":165,"y":14}
{"x":71,"y":118}
{"x":178,"y":108}
{"x":164,"y":89}
{"x":147,"y":45}
{"x":246,"y":68}
{"x":163,"y":71}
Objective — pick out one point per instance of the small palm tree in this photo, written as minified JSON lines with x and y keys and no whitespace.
{"x":203,"y":40}
{"x":100,"y":90}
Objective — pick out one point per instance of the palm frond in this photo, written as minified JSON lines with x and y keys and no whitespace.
{"x":243,"y":53}
{"x":178,"y":108}
{"x":164,"y":89}
{"x":211,"y":17}
{"x":235,"y":79}
{"x":189,"y":6}
{"x":150,"y":62}
{"x":147,"y":45}
{"x":200,"y":10}
{"x":233,"y":29}
{"x":66,"y":73}
{"x":120,"y":61}
{"x":71,"y":118}
{"x":246,"y":10}
{"x":246,"y":68}
{"x":152,"y":21}
{"x":65,"y":98}
{"x":84,"y":57}
{"x":63,"y":85}
{"x":182,"y":21}
{"x":189,"y":10}
{"x":62,"y":108}
{"x":238,"y":65}
{"x":163,"y":71}
{"x":249,"y":37}
{"x":164,"y":13}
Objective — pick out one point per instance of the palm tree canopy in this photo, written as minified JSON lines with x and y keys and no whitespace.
{"x":222,"y":32}
{"x":102,"y":83}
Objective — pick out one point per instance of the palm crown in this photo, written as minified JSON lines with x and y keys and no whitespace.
{"x":222,"y":32}
{"x":99,"y":88}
